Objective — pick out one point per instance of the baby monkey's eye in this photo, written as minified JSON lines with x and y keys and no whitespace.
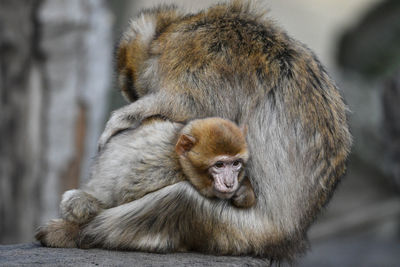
{"x":219,"y":164}
{"x":236,"y":163}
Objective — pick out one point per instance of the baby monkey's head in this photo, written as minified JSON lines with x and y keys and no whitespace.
{"x":213,"y":153}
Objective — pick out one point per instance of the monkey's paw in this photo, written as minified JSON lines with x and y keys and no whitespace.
{"x":58,"y":233}
{"x":244,"y":197}
{"x":120,"y":119}
{"x":105,"y":136}
{"x":117,"y":122}
{"x":78,"y":206}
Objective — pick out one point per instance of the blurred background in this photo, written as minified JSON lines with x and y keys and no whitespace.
{"x":58,"y":87}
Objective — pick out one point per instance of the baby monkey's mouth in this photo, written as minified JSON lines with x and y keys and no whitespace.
{"x":223,"y":188}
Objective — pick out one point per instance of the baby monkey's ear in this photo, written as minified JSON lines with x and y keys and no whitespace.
{"x":184,"y":144}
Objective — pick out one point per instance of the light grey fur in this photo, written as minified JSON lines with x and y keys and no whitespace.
{"x":135,"y":162}
{"x":172,"y":217}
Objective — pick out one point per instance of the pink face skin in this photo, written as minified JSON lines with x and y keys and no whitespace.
{"x":225,"y":172}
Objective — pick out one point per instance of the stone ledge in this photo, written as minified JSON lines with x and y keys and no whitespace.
{"x":33,"y":254}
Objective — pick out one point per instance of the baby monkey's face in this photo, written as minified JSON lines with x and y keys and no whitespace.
{"x":226,"y":175}
{"x":212,"y":153}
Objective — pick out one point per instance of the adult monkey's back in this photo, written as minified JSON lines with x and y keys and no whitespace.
{"x":229,"y":61}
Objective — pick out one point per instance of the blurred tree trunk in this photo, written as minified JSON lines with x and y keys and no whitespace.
{"x":55,"y":68}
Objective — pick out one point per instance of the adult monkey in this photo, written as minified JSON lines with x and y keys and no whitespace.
{"x":228,"y":61}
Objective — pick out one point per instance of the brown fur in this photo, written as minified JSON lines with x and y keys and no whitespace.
{"x":132,"y":53}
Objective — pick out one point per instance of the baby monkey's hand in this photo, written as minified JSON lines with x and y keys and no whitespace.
{"x":244,"y":196}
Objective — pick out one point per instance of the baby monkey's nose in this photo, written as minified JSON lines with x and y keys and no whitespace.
{"x":228,"y":184}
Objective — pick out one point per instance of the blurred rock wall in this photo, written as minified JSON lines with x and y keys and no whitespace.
{"x":55,"y":60}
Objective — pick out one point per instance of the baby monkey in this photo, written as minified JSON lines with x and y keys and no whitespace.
{"x":209,"y":153}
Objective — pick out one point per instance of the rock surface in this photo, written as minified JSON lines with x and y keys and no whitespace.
{"x":354,"y":250}
{"x":33,"y":254}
